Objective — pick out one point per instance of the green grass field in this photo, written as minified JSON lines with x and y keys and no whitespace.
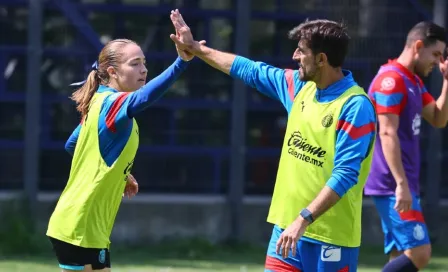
{"x":193,"y":257}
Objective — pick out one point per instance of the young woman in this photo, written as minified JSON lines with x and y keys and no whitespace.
{"x":103,"y":147}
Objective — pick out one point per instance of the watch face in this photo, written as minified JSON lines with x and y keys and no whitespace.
{"x":307,"y":215}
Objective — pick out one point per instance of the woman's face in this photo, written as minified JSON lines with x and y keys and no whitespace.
{"x":130,"y":75}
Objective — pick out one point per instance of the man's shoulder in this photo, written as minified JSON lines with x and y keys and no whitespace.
{"x":359,"y":103}
{"x":360,"y":100}
{"x":388,"y":82}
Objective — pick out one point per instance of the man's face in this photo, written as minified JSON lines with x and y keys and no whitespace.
{"x":428,"y":57}
{"x":308,"y":69}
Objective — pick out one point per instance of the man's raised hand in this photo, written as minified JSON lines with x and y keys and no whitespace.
{"x":183,"y":38}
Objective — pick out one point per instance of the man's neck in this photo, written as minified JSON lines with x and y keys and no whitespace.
{"x":405,"y":59}
{"x":329,"y":77}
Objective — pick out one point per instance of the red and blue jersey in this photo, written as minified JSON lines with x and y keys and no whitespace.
{"x":396,"y":90}
{"x":118,"y":109}
{"x":355,"y":131}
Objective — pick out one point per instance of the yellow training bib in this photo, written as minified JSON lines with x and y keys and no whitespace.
{"x":306,"y":164}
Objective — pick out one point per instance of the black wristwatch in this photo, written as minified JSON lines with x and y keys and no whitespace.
{"x":306,"y":214}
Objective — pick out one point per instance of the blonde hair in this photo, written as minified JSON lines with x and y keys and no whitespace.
{"x":109,"y":56}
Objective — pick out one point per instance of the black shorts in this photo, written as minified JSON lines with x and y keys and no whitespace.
{"x":74,"y":257}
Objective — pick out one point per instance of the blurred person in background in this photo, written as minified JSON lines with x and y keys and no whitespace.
{"x":401,"y":100}
{"x":103,"y":147}
{"x":327,"y":150}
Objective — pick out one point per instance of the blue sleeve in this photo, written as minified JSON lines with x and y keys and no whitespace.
{"x":71,"y":142}
{"x":354,"y":139}
{"x":273,"y":82}
{"x":115,"y":123}
{"x":112,"y":137}
{"x":154,"y":89}
{"x":120,"y":107}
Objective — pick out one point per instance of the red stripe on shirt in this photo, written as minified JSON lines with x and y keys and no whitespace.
{"x":396,"y":109}
{"x":114,"y":109}
{"x":356,"y":132}
{"x":412,"y":215}
{"x":276,"y":265}
{"x":289,"y":74}
{"x":427,"y":98}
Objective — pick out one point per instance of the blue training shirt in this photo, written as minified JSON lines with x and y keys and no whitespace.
{"x":353,"y":139}
{"x":118,"y":108}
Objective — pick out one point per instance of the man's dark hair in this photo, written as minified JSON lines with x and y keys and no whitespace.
{"x":324,"y":36}
{"x":428,"y":32}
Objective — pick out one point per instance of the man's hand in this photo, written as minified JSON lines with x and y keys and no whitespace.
{"x":131,"y":188}
{"x":443,"y":66}
{"x":183,"y":54}
{"x":184,"y":38}
{"x":289,"y":237}
{"x":403,"y":198}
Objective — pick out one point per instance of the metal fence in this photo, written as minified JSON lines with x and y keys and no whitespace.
{"x":186,"y":137}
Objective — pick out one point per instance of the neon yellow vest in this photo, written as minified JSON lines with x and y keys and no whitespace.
{"x":306,"y":164}
{"x":86,"y":210}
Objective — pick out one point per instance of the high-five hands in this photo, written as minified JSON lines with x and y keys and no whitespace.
{"x":185,"y":44}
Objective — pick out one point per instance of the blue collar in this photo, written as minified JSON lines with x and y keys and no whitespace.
{"x":102,"y":89}
{"x":336,"y":89}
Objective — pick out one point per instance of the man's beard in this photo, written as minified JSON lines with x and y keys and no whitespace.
{"x":307,"y":75}
{"x":420,"y":72}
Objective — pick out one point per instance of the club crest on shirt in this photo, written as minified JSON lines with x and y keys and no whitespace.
{"x":327,"y":120}
{"x":387,"y":84}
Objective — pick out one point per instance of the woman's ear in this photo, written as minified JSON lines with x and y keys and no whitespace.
{"x":112,"y":72}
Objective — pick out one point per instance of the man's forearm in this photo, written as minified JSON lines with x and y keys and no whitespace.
{"x":392,"y":154}
{"x":326,"y":199}
{"x":217,"y":59}
{"x":441,"y":114}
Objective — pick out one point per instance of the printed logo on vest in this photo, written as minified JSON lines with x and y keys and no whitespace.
{"x":302,"y":150}
{"x":327,"y":120}
{"x":127,"y":170}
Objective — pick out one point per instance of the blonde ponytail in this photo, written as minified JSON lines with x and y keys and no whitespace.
{"x":83,"y":95}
